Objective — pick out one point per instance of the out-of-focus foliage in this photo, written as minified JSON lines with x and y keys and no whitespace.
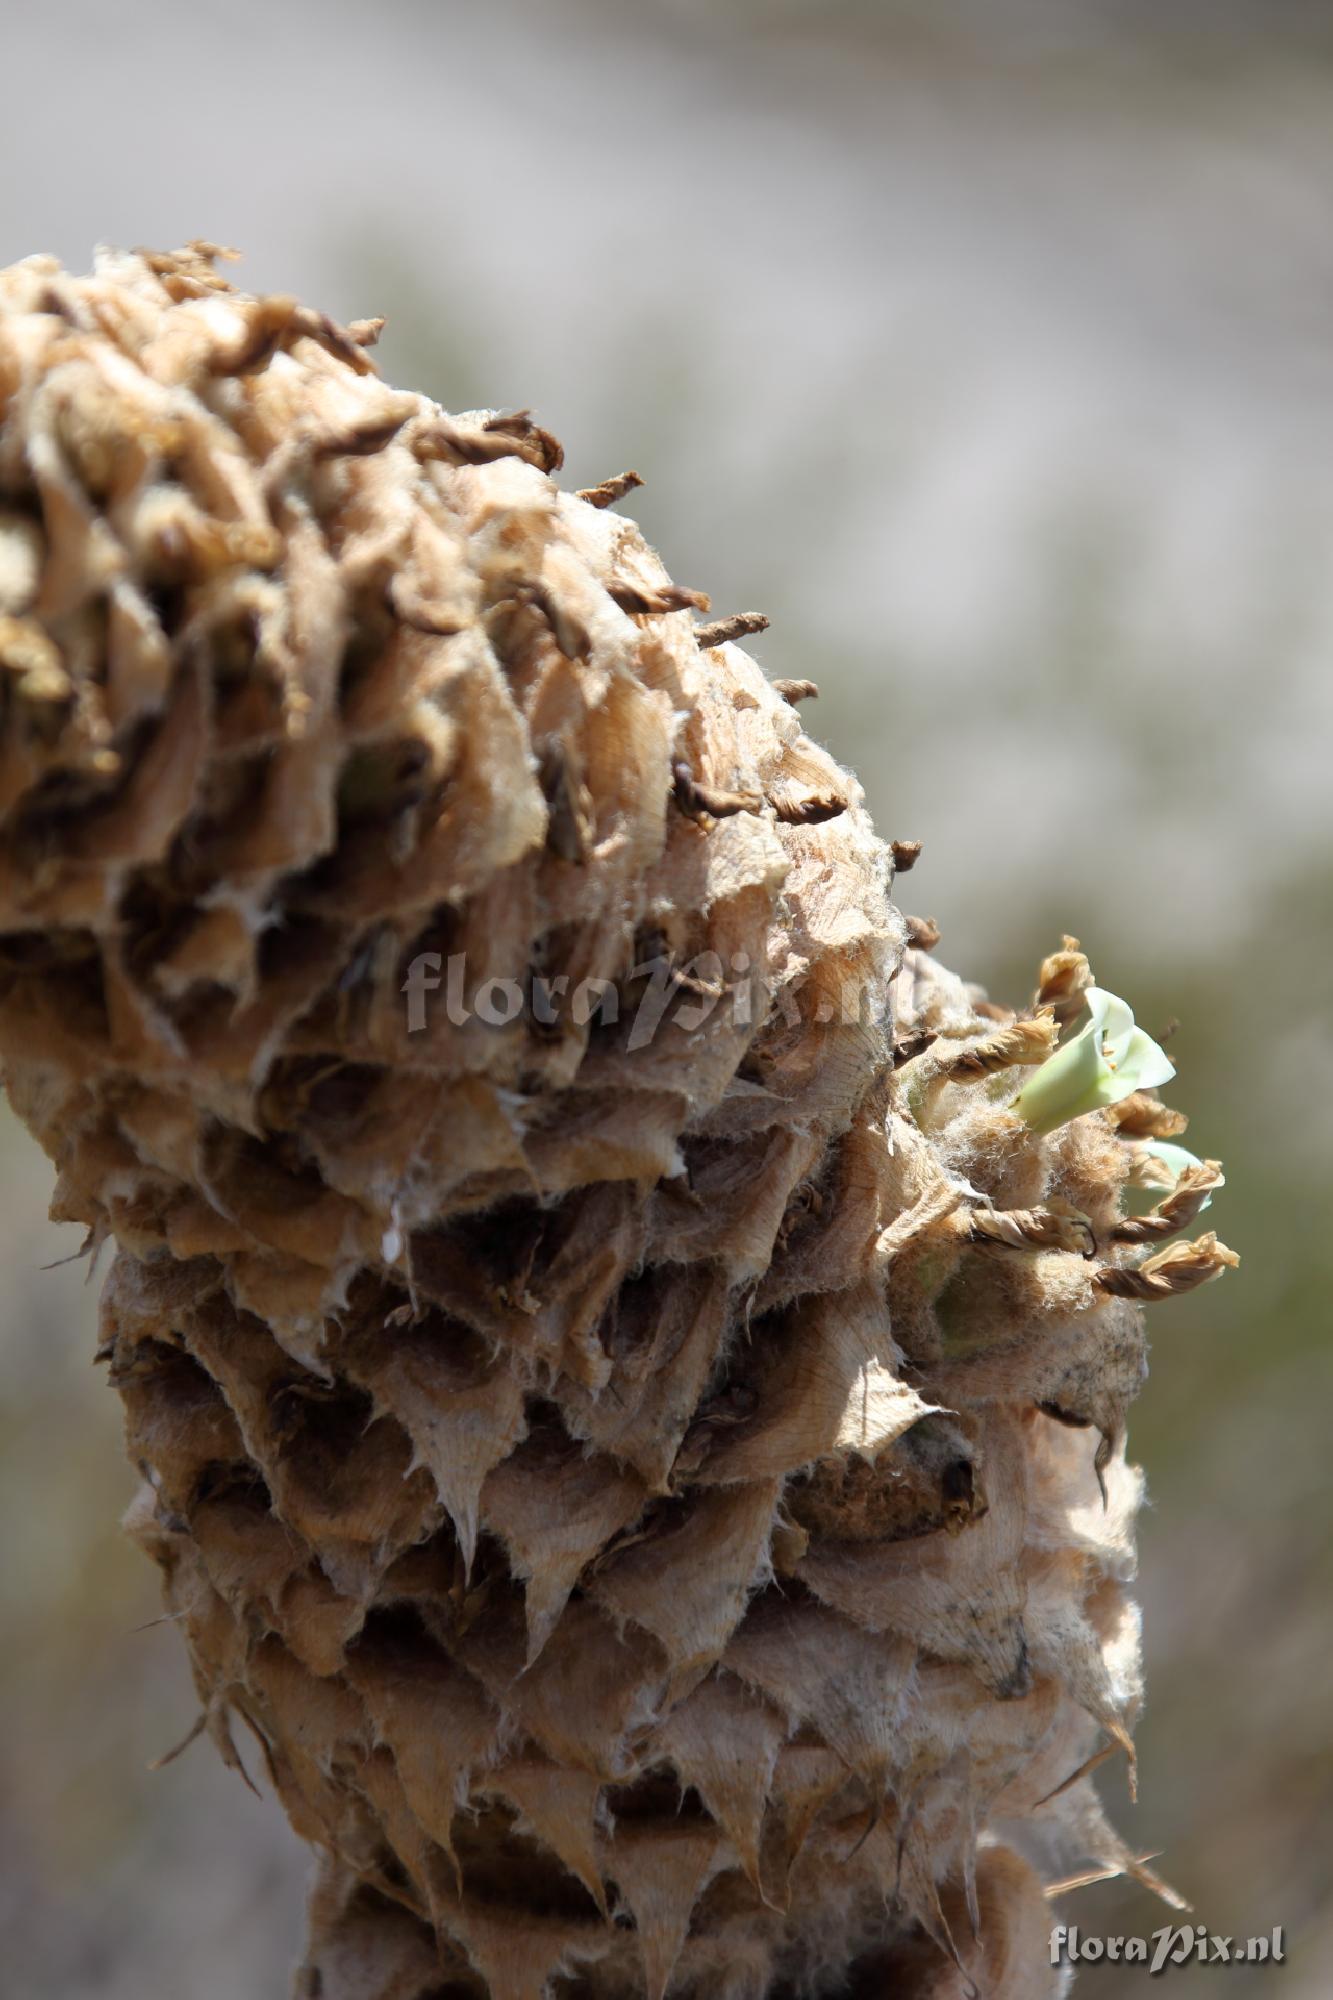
{"x":988,"y":348}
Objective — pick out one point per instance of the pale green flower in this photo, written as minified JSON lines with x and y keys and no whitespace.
{"x":1106,"y":1059}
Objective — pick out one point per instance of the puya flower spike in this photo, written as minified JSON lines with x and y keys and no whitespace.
{"x":1107,"y":1059}
{"x":633,"y":1485}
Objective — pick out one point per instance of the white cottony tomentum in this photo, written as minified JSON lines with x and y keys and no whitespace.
{"x":1106,"y":1059}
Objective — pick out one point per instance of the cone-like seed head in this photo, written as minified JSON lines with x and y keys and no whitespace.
{"x":627,"y":1361}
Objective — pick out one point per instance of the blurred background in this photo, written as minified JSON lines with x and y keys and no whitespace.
{"x":987,"y":345}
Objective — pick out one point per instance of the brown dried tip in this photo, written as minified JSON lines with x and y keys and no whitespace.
{"x":192,"y":1735}
{"x":740,"y":625}
{"x":1063,"y":980}
{"x":188,"y":273}
{"x":1083,"y":1770}
{"x":668,"y":597}
{"x":1143,"y":1116}
{"x":334,"y":339}
{"x":1147,"y":1169}
{"x":366,"y":332}
{"x":796,"y":691}
{"x":1135,"y":1866}
{"x":811,"y":811}
{"x":1195,"y":1186}
{"x":906,"y":854}
{"x":1181,"y":1267}
{"x":1022,"y":1043}
{"x":610,"y":490}
{"x":908,"y":1047}
{"x":541,"y":448}
{"x":359,"y":440}
{"x":440,"y":438}
{"x":1031,"y":1229}
{"x":699,"y":802}
{"x":266,"y":322}
{"x":923,"y":933}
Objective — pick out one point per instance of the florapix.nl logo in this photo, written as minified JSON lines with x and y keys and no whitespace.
{"x":657,"y":989}
{"x":1173,"y":1945}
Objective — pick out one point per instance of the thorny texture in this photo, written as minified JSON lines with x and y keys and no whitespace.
{"x":641,"y":1498}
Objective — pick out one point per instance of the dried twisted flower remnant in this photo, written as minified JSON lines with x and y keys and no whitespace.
{"x":625,"y":1463}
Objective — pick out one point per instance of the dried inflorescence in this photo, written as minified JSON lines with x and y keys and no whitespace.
{"x":621,"y":1394}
